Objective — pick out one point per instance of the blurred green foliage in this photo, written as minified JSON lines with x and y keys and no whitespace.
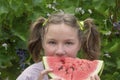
{"x":17,"y":15}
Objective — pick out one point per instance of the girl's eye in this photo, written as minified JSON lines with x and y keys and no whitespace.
{"x":52,"y":42}
{"x":69,"y":43}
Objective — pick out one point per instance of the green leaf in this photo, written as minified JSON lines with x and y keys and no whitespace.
{"x":115,"y":47}
{"x":118,"y":63}
{"x":70,"y":10}
{"x":4,"y":61}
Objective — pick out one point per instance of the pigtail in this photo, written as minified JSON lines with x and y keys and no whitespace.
{"x":91,"y":40}
{"x":35,"y":39}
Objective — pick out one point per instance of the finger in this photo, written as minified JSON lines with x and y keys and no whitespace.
{"x":97,"y":77}
{"x":43,"y":73}
{"x":46,"y":71}
{"x":56,"y":79}
{"x":92,"y":78}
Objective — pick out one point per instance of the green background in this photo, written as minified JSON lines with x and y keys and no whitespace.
{"x":16,"y":17}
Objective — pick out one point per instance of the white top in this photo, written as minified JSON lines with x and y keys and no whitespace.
{"x":32,"y":72}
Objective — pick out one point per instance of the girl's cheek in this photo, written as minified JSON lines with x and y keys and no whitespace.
{"x":72,"y":52}
{"x":49,"y":51}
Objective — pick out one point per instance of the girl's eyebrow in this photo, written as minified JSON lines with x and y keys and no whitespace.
{"x":51,"y":39}
{"x":69,"y":40}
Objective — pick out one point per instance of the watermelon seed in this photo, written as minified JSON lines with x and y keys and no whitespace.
{"x":63,"y":62}
{"x":82,"y":68}
{"x":66,"y":71}
{"x":61,"y":67}
{"x":72,"y":68}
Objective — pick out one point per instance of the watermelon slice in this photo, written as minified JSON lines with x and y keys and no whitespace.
{"x":72,"y":68}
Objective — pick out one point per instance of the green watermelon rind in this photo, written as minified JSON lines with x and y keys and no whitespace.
{"x":98,"y":69}
{"x":100,"y":72}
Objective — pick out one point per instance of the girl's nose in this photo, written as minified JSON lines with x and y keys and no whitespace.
{"x":60,"y":51}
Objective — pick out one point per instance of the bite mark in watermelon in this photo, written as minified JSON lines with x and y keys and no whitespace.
{"x":72,"y":68}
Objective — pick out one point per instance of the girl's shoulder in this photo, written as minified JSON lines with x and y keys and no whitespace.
{"x":35,"y":67}
{"x":32,"y":72}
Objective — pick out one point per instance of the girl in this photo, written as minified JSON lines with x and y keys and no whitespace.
{"x":60,"y":35}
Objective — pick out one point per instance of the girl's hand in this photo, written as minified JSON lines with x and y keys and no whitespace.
{"x":96,"y":77}
{"x":45,"y":72}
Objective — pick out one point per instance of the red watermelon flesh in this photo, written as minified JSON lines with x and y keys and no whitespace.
{"x":72,"y":68}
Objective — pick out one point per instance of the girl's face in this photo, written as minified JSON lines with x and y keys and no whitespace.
{"x":61,"y":40}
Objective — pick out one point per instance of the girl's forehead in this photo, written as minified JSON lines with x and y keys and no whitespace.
{"x":61,"y":30}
